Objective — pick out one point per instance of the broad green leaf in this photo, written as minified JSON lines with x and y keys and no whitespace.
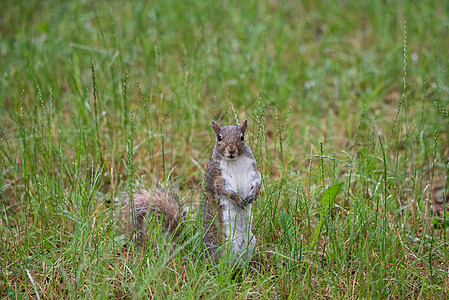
{"x":287,"y":225}
{"x":330,"y":194}
{"x":327,"y":201}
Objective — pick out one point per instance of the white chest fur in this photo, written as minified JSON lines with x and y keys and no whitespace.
{"x":239,"y":177}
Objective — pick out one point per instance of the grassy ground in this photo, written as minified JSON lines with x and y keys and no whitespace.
{"x":97,"y":94}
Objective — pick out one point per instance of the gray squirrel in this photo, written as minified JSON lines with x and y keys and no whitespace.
{"x":232,"y":183}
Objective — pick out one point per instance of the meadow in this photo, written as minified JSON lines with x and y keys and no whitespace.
{"x":347,"y":106}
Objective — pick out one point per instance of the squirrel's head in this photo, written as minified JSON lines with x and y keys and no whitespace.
{"x":230,"y":140}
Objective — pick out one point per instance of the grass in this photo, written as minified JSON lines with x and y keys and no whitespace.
{"x":97,"y":94}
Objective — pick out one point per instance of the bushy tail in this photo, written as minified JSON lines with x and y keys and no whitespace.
{"x":160,"y":202}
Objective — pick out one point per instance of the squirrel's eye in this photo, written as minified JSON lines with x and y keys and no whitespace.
{"x":242,"y":137}
{"x":220,"y":138}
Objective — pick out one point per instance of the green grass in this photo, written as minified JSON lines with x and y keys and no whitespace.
{"x":97,"y":94}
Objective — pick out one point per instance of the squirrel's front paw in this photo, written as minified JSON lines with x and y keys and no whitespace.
{"x":250,"y":198}
{"x":237,"y":199}
{"x":241,"y":204}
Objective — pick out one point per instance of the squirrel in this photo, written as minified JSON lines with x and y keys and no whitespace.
{"x":232,"y":183}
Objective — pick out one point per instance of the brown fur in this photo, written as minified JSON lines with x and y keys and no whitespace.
{"x":161,"y":202}
{"x":215,"y":184}
{"x":213,"y":235}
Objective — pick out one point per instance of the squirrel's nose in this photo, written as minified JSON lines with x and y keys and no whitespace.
{"x":232,"y":149}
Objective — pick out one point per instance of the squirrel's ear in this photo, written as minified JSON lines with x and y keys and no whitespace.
{"x":243,"y":126}
{"x":216,"y":127}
